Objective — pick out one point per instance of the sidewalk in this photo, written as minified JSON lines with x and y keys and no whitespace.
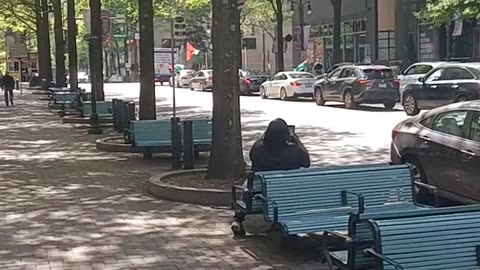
{"x":63,"y":205}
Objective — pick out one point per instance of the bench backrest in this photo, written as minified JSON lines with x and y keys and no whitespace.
{"x":441,"y":242}
{"x":202,"y":129}
{"x":151,"y":131}
{"x":359,"y":228}
{"x":64,"y":97}
{"x":103,"y":107}
{"x":317,"y":190}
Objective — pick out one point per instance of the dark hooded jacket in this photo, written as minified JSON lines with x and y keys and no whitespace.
{"x":275,"y":151}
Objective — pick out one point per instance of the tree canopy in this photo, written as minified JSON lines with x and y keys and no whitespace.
{"x":441,"y":11}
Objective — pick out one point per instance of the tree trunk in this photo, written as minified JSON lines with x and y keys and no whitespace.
{"x":337,"y":32}
{"x":46,"y":42}
{"x":42,"y":70}
{"x":60,"y":80}
{"x":147,"y":85}
{"x":72,"y":45}
{"x":226,"y":158}
{"x":279,"y":57}
{"x":96,"y":55}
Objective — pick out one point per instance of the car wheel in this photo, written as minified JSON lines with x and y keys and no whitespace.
{"x":283,"y":94}
{"x":389,"y":105}
{"x":318,"y":97}
{"x":419,"y":175}
{"x":263,"y":94}
{"x":410,"y":105}
{"x":349,"y":100}
{"x":461,"y":99}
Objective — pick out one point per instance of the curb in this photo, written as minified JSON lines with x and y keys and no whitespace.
{"x":85,"y":120}
{"x":207,"y":197}
{"x":104,"y":145}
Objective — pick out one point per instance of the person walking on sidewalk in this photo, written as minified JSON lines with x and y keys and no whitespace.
{"x":8,"y":83}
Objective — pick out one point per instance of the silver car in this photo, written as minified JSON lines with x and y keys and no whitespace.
{"x":415,"y":71}
{"x":183,"y":78}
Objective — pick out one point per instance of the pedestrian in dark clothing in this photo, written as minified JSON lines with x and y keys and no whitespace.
{"x":8,"y":84}
{"x":279,"y":150}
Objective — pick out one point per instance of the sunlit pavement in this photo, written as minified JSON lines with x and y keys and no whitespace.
{"x":332,"y":134}
{"x":63,"y":205}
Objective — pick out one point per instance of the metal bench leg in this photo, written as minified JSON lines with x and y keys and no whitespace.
{"x":197,"y":152}
{"x":237,"y":224}
{"x":147,"y":153}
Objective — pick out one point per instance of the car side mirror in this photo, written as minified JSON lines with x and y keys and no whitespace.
{"x":421,"y":79}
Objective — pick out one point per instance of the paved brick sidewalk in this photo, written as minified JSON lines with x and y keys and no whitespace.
{"x":63,"y":205}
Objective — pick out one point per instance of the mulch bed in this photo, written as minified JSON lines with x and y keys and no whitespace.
{"x":197,"y":180}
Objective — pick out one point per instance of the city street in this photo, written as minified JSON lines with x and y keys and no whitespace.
{"x":332,"y":134}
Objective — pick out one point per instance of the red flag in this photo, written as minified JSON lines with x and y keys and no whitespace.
{"x":191,"y":51}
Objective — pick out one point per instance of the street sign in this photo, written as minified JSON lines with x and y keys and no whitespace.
{"x":137,"y":36}
{"x":120,"y":36}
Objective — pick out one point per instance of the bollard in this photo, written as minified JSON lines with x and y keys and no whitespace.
{"x":125,"y":119}
{"x":121,"y":115}
{"x":188,"y":147}
{"x":131,"y":111}
{"x":176,"y":144}
{"x":114,"y":114}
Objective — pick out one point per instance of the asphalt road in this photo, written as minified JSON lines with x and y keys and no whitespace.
{"x":333,"y":135}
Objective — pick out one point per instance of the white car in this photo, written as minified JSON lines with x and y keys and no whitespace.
{"x":183,"y":78}
{"x":414,"y":72}
{"x":82,"y":77}
{"x":288,"y":84}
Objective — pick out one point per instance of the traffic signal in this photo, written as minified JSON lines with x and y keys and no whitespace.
{"x":179,"y":27}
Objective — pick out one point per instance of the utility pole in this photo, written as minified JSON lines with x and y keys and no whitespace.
{"x":147,"y":86}
{"x":59,"y":44}
{"x":72,"y":46}
{"x":96,"y":62}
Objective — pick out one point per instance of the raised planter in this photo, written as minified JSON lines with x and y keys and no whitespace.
{"x":85,"y":120}
{"x":162,"y":190}
{"x":115,"y":144}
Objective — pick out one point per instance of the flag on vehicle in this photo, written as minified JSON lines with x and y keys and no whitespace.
{"x":191,"y":51}
{"x":302,"y":66}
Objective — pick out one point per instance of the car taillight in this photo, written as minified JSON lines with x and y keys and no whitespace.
{"x":247,"y":81}
{"x":363,"y":82}
{"x":295,"y":84}
{"x":394,"y":134}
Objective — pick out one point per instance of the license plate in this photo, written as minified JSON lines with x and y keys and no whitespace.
{"x":308,"y":85}
{"x":382,"y":85}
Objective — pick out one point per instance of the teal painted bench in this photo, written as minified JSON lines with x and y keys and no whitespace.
{"x":244,"y":202}
{"x":156,"y":135}
{"x":441,"y":242}
{"x":314,"y":202}
{"x":104,"y":109}
{"x":360,"y":236}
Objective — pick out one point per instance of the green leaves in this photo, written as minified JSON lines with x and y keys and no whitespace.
{"x":442,"y":11}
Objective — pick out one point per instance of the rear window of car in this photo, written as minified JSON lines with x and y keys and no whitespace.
{"x":301,"y":76}
{"x":379,"y":73}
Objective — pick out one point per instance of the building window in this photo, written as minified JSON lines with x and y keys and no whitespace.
{"x":386,"y":45}
{"x":249,"y":43}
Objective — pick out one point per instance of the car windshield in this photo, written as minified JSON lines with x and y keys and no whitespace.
{"x":301,"y":76}
{"x":379,"y":73}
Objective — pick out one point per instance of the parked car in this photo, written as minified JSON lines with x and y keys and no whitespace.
{"x":415,"y":71}
{"x":202,"y":80}
{"x":162,"y":78}
{"x":250,"y":82}
{"x":443,"y":85}
{"x":353,"y":85}
{"x":183,"y":78}
{"x":83,"y":77}
{"x":443,"y":145}
{"x":287,"y":85}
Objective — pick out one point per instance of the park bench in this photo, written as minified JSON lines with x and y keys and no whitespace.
{"x":156,"y":135}
{"x":320,"y":201}
{"x":245,"y":202}
{"x":104,"y":109}
{"x":440,"y":242}
{"x":360,"y":236}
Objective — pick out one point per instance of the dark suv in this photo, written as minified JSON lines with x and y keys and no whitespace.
{"x":358,"y":84}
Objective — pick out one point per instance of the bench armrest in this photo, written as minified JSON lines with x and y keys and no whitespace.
{"x":236,"y":188}
{"x":361,"y":200}
{"x":371,"y":252}
{"x":273,"y":203}
{"x":433,"y":189}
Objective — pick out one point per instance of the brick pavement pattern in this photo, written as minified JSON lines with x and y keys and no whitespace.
{"x":63,"y":205}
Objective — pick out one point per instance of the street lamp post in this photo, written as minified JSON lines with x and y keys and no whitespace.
{"x":301,"y":18}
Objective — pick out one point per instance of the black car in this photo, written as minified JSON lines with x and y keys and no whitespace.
{"x":162,"y":78}
{"x":444,"y":147}
{"x":443,"y":85}
{"x":250,"y":82}
{"x":353,"y":85}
